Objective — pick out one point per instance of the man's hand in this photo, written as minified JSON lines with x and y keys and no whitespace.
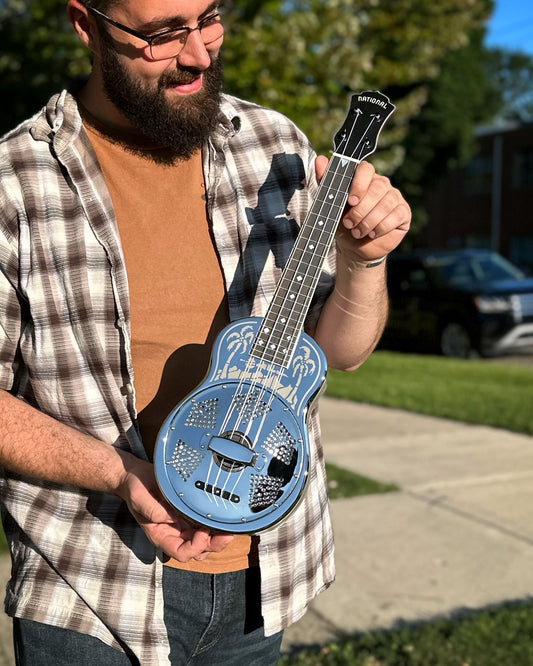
{"x":164,"y":526}
{"x":377,"y":216}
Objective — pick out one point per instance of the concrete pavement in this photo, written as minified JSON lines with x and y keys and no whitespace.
{"x":459,"y":534}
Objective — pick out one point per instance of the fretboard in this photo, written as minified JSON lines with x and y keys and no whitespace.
{"x":286,"y":314}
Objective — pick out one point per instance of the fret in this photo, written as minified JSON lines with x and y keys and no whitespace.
{"x":286,"y":315}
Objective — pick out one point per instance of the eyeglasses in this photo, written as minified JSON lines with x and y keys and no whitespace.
{"x":170,"y":42}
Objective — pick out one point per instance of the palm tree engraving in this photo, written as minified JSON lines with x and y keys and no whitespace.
{"x":237,"y":343}
{"x":302,"y":366}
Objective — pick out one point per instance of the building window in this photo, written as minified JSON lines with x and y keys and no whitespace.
{"x":523,"y":169}
{"x":477,"y":176}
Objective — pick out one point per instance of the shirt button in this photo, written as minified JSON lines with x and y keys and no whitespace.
{"x":127,"y":388}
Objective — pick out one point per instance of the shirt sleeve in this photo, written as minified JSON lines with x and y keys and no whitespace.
{"x":10,"y":302}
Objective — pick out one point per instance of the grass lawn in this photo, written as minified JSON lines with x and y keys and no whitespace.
{"x":481,"y":392}
{"x":495,"y":637}
{"x":344,"y":483}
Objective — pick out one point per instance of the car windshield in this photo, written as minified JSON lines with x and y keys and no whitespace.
{"x":464,"y":270}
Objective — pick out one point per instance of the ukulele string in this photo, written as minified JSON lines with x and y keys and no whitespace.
{"x":340,"y":182}
{"x":325,"y":230}
{"x":268,"y":383}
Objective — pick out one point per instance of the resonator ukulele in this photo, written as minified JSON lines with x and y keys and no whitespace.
{"x":234,"y":455}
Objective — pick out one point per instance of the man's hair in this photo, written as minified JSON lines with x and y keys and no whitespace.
{"x":101,"y":5}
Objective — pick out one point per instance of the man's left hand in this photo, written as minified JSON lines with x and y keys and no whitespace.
{"x":376,"y":218}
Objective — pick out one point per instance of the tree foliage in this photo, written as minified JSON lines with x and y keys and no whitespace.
{"x":441,"y":136}
{"x":303,"y":57}
{"x":511,"y":73}
{"x":39,"y":52}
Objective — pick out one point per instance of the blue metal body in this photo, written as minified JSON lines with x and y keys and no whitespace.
{"x":234,"y":455}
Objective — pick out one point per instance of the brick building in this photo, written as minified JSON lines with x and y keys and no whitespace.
{"x":488,"y":203}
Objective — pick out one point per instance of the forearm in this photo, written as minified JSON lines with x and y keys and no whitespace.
{"x":355,"y":314}
{"x":35,"y":445}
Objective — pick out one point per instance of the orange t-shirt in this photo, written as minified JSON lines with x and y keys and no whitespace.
{"x":177,"y":296}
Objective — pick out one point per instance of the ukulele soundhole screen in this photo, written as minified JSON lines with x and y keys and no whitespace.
{"x":264,"y":491}
{"x":185,"y":459}
{"x":203,"y":414}
{"x":250,"y":406}
{"x":280,"y":444}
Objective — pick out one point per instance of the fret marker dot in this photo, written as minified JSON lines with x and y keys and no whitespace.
{"x":283,"y":320}
{"x":292,"y":297}
{"x":320,"y":223}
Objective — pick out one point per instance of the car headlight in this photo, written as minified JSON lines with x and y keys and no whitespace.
{"x":493,"y":304}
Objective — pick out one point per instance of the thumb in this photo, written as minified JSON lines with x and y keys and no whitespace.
{"x":321,"y":163}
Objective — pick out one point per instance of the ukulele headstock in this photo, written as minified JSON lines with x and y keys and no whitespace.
{"x":358,"y":136}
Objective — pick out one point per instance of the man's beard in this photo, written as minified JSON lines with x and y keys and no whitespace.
{"x":182,"y":128}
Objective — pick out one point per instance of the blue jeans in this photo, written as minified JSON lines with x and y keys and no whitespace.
{"x":211,"y":619}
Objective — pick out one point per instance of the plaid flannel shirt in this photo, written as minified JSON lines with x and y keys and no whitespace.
{"x":79,"y":559}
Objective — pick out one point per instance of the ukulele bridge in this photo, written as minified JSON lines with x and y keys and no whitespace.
{"x":232,"y":451}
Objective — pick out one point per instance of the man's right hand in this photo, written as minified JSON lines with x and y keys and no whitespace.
{"x":162,"y":524}
{"x":33,"y":444}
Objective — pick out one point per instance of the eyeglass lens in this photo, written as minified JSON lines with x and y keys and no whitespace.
{"x":171,"y":43}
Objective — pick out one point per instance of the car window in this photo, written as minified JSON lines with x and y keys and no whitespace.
{"x":462,"y":271}
{"x":494,"y":267}
{"x":451,"y":271}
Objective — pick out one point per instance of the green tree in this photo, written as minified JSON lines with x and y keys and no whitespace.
{"x":511,"y":72}
{"x":303,"y":57}
{"x":39,"y":53}
{"x":441,"y":136}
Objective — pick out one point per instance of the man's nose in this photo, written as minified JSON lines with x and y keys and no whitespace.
{"x":194,"y":53}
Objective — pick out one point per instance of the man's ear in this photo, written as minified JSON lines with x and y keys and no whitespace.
{"x":83,"y":26}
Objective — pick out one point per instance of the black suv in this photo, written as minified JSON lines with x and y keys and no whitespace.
{"x":458,"y":302}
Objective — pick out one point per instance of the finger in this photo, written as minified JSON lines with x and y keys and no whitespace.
{"x":147,"y":509}
{"x":397,"y":219}
{"x":321,"y":164}
{"x":375,"y":207}
{"x":166,"y":537}
{"x":364,"y":176}
{"x":198,"y":545}
{"x":220,"y":541}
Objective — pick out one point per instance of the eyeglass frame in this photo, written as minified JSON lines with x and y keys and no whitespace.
{"x":150,"y":38}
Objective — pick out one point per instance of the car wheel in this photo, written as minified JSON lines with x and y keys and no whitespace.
{"x":455,"y":341}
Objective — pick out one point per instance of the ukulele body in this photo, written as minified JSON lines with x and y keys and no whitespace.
{"x":234,"y":455}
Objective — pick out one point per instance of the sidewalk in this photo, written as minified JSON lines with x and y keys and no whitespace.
{"x":459,"y":534}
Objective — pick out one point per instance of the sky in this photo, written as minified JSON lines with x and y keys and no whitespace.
{"x":511,"y":25}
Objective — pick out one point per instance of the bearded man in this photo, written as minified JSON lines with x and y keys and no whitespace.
{"x":140,"y":215}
